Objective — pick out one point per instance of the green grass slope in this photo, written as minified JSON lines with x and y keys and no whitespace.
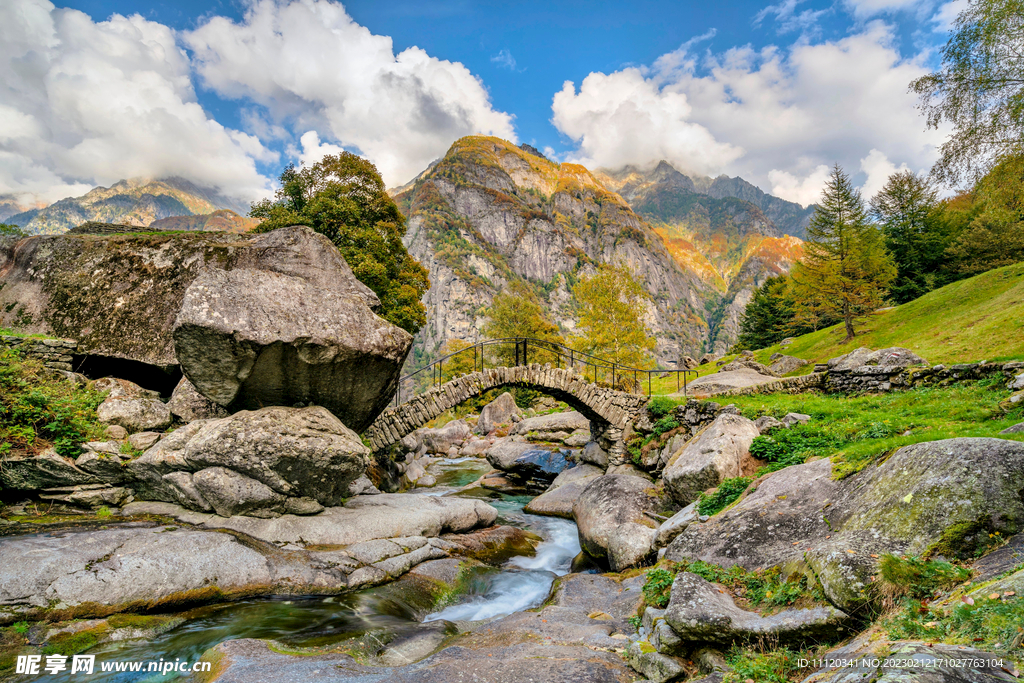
{"x":981,"y":318}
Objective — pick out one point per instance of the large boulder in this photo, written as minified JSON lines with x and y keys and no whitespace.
{"x":783,"y":364}
{"x":612,"y":517}
{"x":188,"y":405}
{"x":231,"y":493}
{"x":45,"y":470}
{"x":558,"y":500}
{"x":894,"y":357}
{"x":441,"y":439}
{"x":552,"y":427}
{"x":498,"y":412}
{"x":748,"y":363}
{"x":939,"y":496}
{"x":722,"y":381}
{"x":135,"y":414}
{"x":248,"y":338}
{"x":293,"y":451}
{"x":363,"y":518}
{"x":722,"y":451}
{"x":701,"y":612}
{"x":119,"y":295}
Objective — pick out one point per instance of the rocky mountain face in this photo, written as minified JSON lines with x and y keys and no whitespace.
{"x":490,"y":213}
{"x":131,"y":202}
{"x":729,"y":241}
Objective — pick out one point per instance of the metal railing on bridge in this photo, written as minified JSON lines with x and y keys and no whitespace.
{"x":518,"y":351}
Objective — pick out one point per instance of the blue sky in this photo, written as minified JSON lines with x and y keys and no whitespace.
{"x":227,"y":92}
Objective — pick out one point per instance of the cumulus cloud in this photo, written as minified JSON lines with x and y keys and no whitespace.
{"x":805,"y":190}
{"x":309,"y":64}
{"x":877,"y":167}
{"x":626,"y":118}
{"x":773,"y":116}
{"x":88,"y":103}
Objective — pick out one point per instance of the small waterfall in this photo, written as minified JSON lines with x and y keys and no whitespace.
{"x":525,"y":581}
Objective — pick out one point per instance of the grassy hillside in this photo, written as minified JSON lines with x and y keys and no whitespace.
{"x":981,"y":318}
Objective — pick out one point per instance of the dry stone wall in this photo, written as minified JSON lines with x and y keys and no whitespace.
{"x":54,"y":353}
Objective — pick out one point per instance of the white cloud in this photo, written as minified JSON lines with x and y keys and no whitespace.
{"x":869,"y":8}
{"x":313,"y":150}
{"x":945,"y":17}
{"x":877,"y":167}
{"x":505,"y":59}
{"x":309,"y":64}
{"x":625,"y":118}
{"x":89,"y":103}
{"x":772,"y":116}
{"x":787,"y":18}
{"x":805,"y":190}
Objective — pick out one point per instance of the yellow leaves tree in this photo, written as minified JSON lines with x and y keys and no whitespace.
{"x":846,"y":271}
{"x":610,"y":308}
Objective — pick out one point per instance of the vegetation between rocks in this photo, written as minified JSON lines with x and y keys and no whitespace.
{"x":39,"y":409}
{"x":723,"y":496}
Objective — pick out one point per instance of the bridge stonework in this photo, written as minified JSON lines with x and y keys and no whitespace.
{"x":610,"y":412}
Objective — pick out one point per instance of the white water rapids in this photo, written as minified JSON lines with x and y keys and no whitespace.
{"x":524,"y":582}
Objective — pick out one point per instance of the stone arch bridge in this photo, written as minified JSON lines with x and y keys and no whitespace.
{"x":609,"y":411}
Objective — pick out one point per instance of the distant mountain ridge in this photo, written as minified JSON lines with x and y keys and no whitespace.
{"x":138,"y":201}
{"x":728,"y":240}
{"x":490,"y":212}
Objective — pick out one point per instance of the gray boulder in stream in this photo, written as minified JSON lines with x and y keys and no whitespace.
{"x":612,"y":518}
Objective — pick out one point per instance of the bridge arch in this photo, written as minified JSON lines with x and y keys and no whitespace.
{"x":608,"y":410}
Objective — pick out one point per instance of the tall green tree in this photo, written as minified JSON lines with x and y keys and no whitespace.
{"x":610,"y":308}
{"x":907,"y":209}
{"x":344,"y":198}
{"x":845,"y":269}
{"x":767,"y":318}
{"x":979,"y":89}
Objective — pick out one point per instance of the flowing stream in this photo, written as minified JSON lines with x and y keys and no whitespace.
{"x":523,"y":582}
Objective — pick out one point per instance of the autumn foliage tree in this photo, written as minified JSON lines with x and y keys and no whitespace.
{"x":845,"y":271}
{"x":518,"y":312}
{"x":344,"y":198}
{"x":610,"y":308}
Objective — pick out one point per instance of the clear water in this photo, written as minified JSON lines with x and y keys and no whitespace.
{"x":524,"y":582}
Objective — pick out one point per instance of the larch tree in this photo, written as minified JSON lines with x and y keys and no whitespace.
{"x":610,"y":308}
{"x":845,"y":271}
{"x":518,"y":312}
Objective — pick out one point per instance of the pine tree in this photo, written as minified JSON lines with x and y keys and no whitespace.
{"x":907,"y":210}
{"x":845,"y":271}
{"x":766,"y":318}
{"x":610,"y":306}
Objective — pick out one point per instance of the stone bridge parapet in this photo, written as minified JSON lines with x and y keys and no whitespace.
{"x":610,"y":412}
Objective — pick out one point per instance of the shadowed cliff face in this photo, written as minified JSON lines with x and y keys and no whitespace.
{"x":490,"y":212}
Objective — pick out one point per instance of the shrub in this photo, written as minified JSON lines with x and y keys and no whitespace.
{"x":990,"y":624}
{"x":38,"y":408}
{"x":728,"y":491}
{"x":658,"y":588}
{"x":660,"y":406}
{"x":792,"y":446}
